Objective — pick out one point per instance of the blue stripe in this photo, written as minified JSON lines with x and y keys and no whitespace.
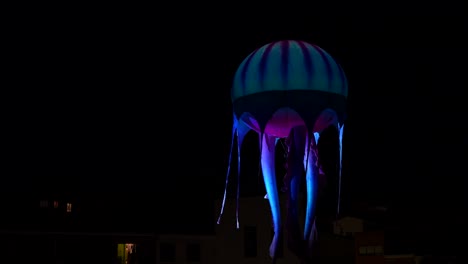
{"x":284,"y":61}
{"x":244,"y":71}
{"x":307,"y":61}
{"x":263,"y":64}
{"x":327,"y":66}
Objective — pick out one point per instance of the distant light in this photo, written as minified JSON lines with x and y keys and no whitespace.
{"x":56,"y":204}
{"x":69,"y":207}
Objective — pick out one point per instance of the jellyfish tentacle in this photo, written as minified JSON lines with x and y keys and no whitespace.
{"x":242,"y":130}
{"x":298,"y":138}
{"x":307,"y":150}
{"x":269,"y":177}
{"x":311,"y":185}
{"x":317,"y":137}
{"x":276,"y":143}
{"x":234,"y":130}
{"x":340,"y":166}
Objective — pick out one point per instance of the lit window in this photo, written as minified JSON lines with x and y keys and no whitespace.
{"x":44,"y":203}
{"x":378,"y":250}
{"x":55,"y":204}
{"x":371,"y":250}
{"x":362,"y":250}
{"x":130,"y":248}
{"x":69,"y":207}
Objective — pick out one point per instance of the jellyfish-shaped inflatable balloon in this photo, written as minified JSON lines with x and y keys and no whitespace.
{"x":289,"y":90}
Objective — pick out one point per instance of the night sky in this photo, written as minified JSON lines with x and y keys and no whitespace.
{"x":124,"y":106}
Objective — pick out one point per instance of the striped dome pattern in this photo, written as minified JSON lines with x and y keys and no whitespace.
{"x":289,"y":65}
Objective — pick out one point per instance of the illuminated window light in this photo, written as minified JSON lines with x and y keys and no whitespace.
{"x":69,"y":207}
{"x":130,"y":248}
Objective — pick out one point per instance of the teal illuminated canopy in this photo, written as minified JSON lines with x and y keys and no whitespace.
{"x":289,"y":65}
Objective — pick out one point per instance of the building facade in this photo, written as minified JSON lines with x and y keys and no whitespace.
{"x":369,"y":247}
{"x":71,"y":248}
{"x":348,"y":240}
{"x":185,"y":249}
{"x":63,"y":229}
{"x":250,"y":243}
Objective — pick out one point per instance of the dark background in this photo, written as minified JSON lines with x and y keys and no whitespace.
{"x":128,"y":110}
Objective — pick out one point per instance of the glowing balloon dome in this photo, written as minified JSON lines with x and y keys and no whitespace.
{"x":297,"y":75}
{"x":289,"y":65}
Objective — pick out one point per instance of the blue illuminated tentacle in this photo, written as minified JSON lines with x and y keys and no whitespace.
{"x":269,"y":177}
{"x":316,"y":137}
{"x":276,"y":143}
{"x":307,"y":150}
{"x":242,"y":130}
{"x":234,"y":129}
{"x":340,"y":131}
{"x":311,"y":185}
{"x":309,"y":144}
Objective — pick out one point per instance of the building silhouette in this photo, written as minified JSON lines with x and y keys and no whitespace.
{"x":54,"y":227}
